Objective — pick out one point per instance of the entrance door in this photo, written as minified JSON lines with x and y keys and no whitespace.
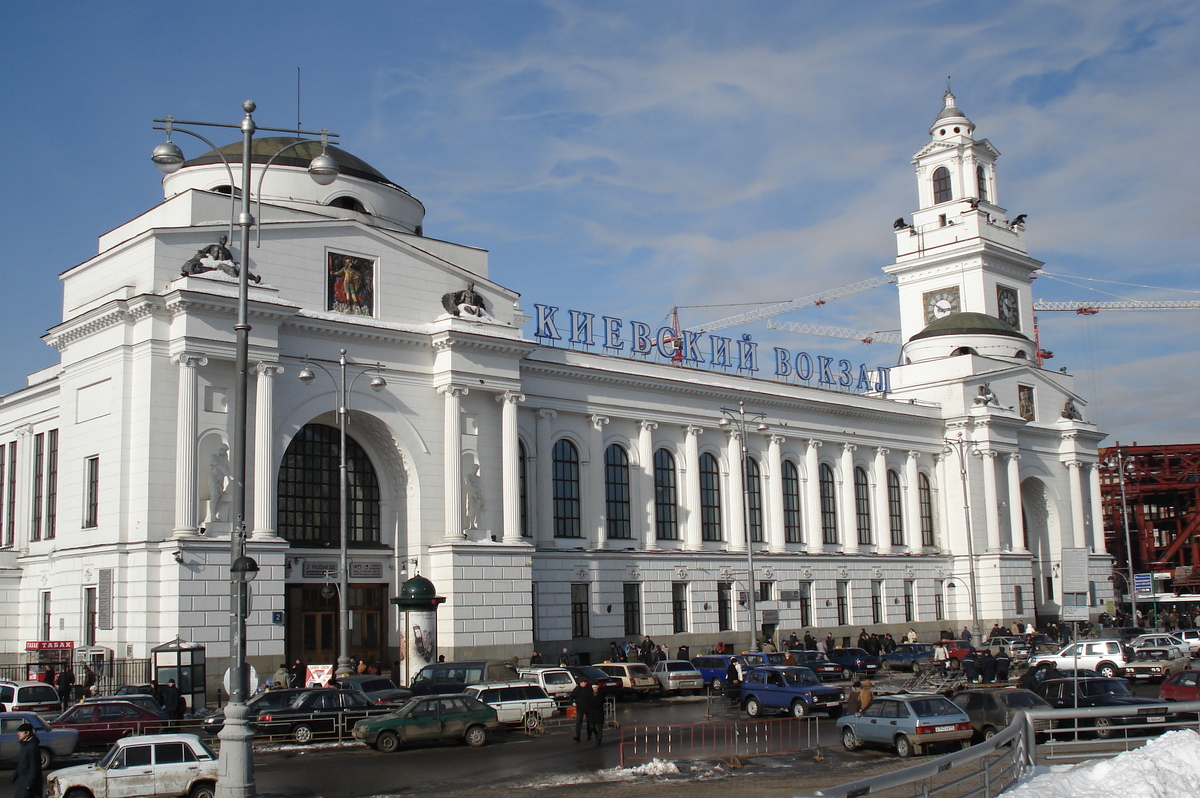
{"x":313,"y":618}
{"x":319,"y":637}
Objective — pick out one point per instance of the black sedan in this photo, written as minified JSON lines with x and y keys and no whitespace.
{"x":263,"y":702}
{"x":819,"y":664}
{"x":1069,"y":693}
{"x":321,"y":712}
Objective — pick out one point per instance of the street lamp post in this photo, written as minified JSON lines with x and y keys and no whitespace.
{"x":236,"y":770}
{"x":1117,"y":462}
{"x":306,"y":376}
{"x":958,"y":445}
{"x":739,"y":420}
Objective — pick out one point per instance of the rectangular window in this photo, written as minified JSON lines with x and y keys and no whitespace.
{"x":754,"y":499}
{"x":806,"y":603}
{"x":843,"y":603}
{"x":908,"y":600}
{"x":39,"y":474}
{"x":51,"y":484}
{"x":792,"y":530}
{"x":876,"y":601}
{"x":616,"y":493}
{"x":724,"y":606}
{"x":580,"y":611}
{"x":91,"y":504}
{"x":895,"y":509}
{"x":1018,"y":600}
{"x":1092,"y":594}
{"x":4,"y":539}
{"x":939,"y":600}
{"x":666,"y":507}
{"x":10,"y":521}
{"x":829,"y":532}
{"x":925,"y":505}
{"x":1049,"y":588}
{"x":632,"y":595}
{"x":89,"y":616}
{"x":766,"y":591}
{"x":45,"y":615}
{"x":710,"y":498}
{"x":523,"y":488}
{"x":679,"y":613}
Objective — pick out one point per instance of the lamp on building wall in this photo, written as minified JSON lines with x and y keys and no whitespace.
{"x":344,"y":387}
{"x":237,"y":756}
{"x":958,"y":444}
{"x":1117,"y":463}
{"x":738,"y":420}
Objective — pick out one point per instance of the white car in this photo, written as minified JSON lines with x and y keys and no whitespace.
{"x":519,"y":702}
{"x":1162,"y":640}
{"x":1106,"y":657}
{"x":157,"y":765}
{"x":1191,"y":637}
{"x":677,"y":675}
{"x":557,"y":682}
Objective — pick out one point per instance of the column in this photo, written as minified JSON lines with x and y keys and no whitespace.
{"x":1016,"y":526}
{"x":776,"y":539}
{"x":693,"y":537}
{"x":941,"y":524}
{"x":452,"y":463}
{"x":264,"y":451}
{"x":596,"y":481}
{"x":739,"y":535}
{"x":1074,"y":475}
{"x":846,"y":513}
{"x":991,"y":499}
{"x":912,"y":501}
{"x":510,"y":465}
{"x":545,"y":477}
{"x":185,"y":445}
{"x":813,"y":534}
{"x":646,"y":479}
{"x":1098,"y":545}
{"x":881,"y":509}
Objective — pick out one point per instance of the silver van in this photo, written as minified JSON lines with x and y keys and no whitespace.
{"x":518,"y":702}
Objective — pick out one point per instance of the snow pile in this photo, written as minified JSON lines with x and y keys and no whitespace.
{"x":1168,"y":767}
{"x":655,"y":768}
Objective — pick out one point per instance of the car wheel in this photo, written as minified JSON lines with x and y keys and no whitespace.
{"x":1104,"y":728}
{"x":387,"y":742}
{"x":799,"y":708}
{"x":475,"y":736}
{"x":989,"y":732}
{"x":753,"y":708}
{"x":204,"y":789}
{"x":47,"y":757}
{"x":903,"y":747}
{"x":717,"y":685}
{"x":77,"y":792}
{"x":1107,"y":670}
{"x":302,"y":733}
{"x":849,"y":741}
{"x":532,"y":721}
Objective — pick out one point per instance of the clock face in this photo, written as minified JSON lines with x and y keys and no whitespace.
{"x":941,"y":303}
{"x":1007,"y":304}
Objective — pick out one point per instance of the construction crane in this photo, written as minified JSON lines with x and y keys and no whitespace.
{"x":794,"y":304}
{"x":1092,"y":308}
{"x":865,"y":336}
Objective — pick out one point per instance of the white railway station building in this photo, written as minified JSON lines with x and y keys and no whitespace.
{"x":559,"y":474}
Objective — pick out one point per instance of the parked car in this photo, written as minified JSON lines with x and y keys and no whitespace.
{"x":106,"y":722}
{"x":1070,"y":693}
{"x":1191,"y":637}
{"x":429,"y":719}
{"x":1106,"y":657}
{"x":1014,"y":645}
{"x":443,"y":678}
{"x":22,"y":696}
{"x":993,"y":710}
{"x":609,"y":685}
{"x":908,"y":723}
{"x":788,"y":688}
{"x":856,"y":660}
{"x":635,"y":678}
{"x":557,"y":682}
{"x":908,"y":656}
{"x":263,"y":702}
{"x":756,"y":659}
{"x":819,"y":664}
{"x":677,"y":675}
{"x":518,"y":702}
{"x":713,"y":668}
{"x":161,"y":765}
{"x":53,"y":742}
{"x":1155,"y":664}
{"x":1183,"y":686}
{"x":134,"y":689}
{"x":1162,"y":641}
{"x":956,"y":648}
{"x":380,"y":689}
{"x":320,"y":712}
{"x":146,"y":702}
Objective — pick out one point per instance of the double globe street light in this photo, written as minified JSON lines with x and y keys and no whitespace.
{"x":236,"y":769}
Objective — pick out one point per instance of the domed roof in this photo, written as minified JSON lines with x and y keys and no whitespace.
{"x":950,"y":113}
{"x":418,"y":588}
{"x":262,"y":149}
{"x":968,"y":324}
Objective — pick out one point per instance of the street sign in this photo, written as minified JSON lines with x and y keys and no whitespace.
{"x":1075,"y":613}
{"x":1143,"y":583}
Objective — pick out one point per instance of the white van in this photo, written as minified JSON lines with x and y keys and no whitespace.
{"x":557,"y":682}
{"x":519,"y":702}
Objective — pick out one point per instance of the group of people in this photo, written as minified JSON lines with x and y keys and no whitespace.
{"x":70,"y":691}
{"x":589,"y":710}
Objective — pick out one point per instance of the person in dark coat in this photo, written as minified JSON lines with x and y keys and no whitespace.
{"x":66,"y":686}
{"x":1002,"y":665}
{"x":970,"y":666}
{"x":581,"y":697}
{"x":595,"y":714}
{"x":172,"y":699}
{"x":28,"y":775}
{"x":534,"y":659}
{"x":987,"y":666}
{"x":299,"y":673}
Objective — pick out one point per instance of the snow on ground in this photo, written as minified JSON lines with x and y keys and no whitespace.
{"x":654,"y":769}
{"x":1167,"y":767}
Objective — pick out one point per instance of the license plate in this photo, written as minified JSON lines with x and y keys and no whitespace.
{"x":1157,"y":719}
{"x":943,"y":728}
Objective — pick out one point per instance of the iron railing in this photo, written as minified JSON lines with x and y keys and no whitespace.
{"x":728,"y":742}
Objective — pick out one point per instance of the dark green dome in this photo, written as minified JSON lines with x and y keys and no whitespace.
{"x":262,"y":149}
{"x":968,"y":324}
{"x":417,"y":593}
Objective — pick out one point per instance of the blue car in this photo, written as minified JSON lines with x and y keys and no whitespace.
{"x":908,"y":723}
{"x":790,"y":689}
{"x":714,"y":668}
{"x":908,"y":656}
{"x":855,"y":660}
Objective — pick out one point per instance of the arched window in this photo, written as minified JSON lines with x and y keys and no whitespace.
{"x":862,"y":506}
{"x":791,"y":503}
{"x":523,"y":488}
{"x":310,"y":491}
{"x":710,"y":498}
{"x":895,"y":509}
{"x":963,"y":350}
{"x":754,"y":499}
{"x":941,"y":185}
{"x":347,"y":203}
{"x":666,"y":500}
{"x":981,"y":182}
{"x":829,"y":530}
{"x":925,"y":503}
{"x":565,"y":460}
{"x":616,"y":492}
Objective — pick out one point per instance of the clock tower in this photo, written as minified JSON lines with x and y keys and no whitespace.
{"x":960,"y":253}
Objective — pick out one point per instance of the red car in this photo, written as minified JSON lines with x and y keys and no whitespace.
{"x":1183,"y":686}
{"x":107,"y":722}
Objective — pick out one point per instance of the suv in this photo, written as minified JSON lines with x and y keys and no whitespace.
{"x":155,"y":764}
{"x":443,"y":678}
{"x":1106,"y":657}
{"x":557,"y":682}
{"x":36,"y":697}
{"x":790,"y":689}
{"x":636,"y":679}
{"x":516,"y":702}
{"x":380,"y":689}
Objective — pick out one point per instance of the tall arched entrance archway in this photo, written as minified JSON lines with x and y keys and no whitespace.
{"x":1040,"y":528}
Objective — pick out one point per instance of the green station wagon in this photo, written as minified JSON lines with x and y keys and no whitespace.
{"x":429,"y":719}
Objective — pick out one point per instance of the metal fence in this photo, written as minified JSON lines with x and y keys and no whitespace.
{"x":728,"y":742}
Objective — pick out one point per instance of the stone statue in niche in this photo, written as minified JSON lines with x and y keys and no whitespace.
{"x":218,"y":472}
{"x":467,"y":304}
{"x":212,"y":258}
{"x":472,"y":497}
{"x":986,"y":397}
{"x":1071,"y":412}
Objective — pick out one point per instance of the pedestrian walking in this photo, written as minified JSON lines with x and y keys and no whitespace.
{"x":28,"y":775}
{"x":299,"y":672}
{"x":1003,"y":663}
{"x":281,"y":677}
{"x":581,"y":698}
{"x":987,"y":666}
{"x":595,"y":714}
{"x":66,"y":685}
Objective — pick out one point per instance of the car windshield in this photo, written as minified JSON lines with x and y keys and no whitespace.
{"x":932,"y":707}
{"x":800,"y":676}
{"x":1104,"y":687}
{"x":680,"y":666}
{"x":594,"y":673}
{"x":1151,"y":654}
{"x":1022,"y":700}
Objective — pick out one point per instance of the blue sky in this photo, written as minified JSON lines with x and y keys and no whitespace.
{"x":626,"y":157}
